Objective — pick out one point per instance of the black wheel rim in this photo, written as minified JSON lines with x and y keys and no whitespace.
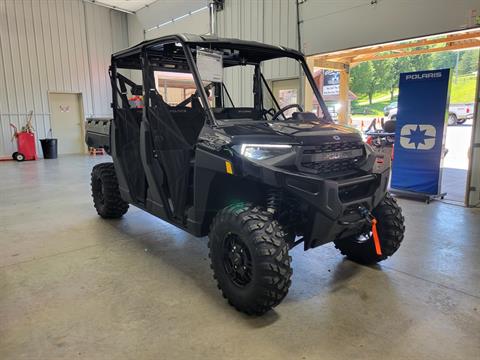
{"x":237,"y":260}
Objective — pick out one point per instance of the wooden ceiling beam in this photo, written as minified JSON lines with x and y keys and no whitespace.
{"x":459,"y":46}
{"x":339,"y":56}
{"x":330,"y":65}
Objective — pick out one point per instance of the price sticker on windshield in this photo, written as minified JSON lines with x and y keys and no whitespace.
{"x":210,"y":65}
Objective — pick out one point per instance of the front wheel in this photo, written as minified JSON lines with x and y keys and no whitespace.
{"x":249,"y":258}
{"x":390,"y":227}
{"x":106,"y":195}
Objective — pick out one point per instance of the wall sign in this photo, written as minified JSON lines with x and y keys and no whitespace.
{"x":331,"y":82}
{"x":64,"y":108}
{"x":420,"y":132}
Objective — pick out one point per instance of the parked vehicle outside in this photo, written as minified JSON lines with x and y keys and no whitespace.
{"x":457,"y":113}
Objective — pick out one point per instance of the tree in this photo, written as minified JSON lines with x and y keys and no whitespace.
{"x":444,"y":60}
{"x":420,"y":62}
{"x":378,"y":83}
{"x":360,"y":77}
{"x":394,"y":67}
{"x":468,"y":62}
{"x":373,"y":76}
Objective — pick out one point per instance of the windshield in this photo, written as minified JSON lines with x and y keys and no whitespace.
{"x":256,"y":85}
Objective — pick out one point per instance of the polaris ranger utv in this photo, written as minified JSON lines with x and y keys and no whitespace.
{"x":201,"y":138}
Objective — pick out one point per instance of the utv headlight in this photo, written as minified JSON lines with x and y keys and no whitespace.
{"x":264,"y":151}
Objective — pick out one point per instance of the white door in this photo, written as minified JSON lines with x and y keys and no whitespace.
{"x":66,"y":122}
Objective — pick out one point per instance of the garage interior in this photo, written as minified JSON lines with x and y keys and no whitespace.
{"x":73,"y":285}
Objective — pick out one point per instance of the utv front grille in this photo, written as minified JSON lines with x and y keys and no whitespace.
{"x":332,"y":158}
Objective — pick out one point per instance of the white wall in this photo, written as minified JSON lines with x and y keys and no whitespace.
{"x":54,"y":45}
{"x":268,"y":21}
{"x":334,"y":25}
{"x":135,"y":30}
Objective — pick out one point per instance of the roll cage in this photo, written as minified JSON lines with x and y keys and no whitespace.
{"x":153,"y":142}
{"x":176,"y":53}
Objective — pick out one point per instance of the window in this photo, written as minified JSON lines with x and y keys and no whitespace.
{"x":174,"y":87}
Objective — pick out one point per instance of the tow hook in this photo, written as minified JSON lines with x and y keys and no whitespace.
{"x":371,"y":219}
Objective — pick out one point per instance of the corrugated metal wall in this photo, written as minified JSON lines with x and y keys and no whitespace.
{"x":268,"y":21}
{"x":54,"y":46}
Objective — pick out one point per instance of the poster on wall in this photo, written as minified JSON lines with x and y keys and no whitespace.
{"x":420,"y":133}
{"x":331,"y":82}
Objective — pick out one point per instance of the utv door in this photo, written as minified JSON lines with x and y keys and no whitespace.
{"x":170,"y":130}
{"x":125,"y":135}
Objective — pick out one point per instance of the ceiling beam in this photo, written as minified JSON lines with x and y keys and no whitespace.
{"x":330,"y":65}
{"x":458,"y":46}
{"x":341,"y":55}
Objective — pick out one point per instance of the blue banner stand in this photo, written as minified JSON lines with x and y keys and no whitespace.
{"x":420,"y":134}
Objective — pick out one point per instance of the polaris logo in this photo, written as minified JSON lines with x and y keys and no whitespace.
{"x":336,"y":137}
{"x":418,"y":137}
{"x":423,"y":76}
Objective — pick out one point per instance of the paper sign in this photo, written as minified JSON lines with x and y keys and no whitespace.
{"x":331,"y":82}
{"x":210,"y":65}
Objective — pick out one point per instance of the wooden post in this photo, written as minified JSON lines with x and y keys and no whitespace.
{"x":344,"y":113}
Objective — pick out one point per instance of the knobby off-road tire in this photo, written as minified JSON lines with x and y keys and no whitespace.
{"x":105,"y":192}
{"x":249,"y":258}
{"x":390,"y":227}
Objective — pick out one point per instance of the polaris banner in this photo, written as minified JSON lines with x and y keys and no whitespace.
{"x":420,"y":132}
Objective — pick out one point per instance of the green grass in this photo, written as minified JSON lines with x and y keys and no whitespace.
{"x":379,"y":101}
{"x":461,"y":91}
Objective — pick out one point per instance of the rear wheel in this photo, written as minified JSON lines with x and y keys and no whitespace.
{"x":105,"y":192}
{"x":249,"y":258}
{"x":390,"y":227}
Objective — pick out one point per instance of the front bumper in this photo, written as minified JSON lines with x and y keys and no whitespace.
{"x":333,"y":204}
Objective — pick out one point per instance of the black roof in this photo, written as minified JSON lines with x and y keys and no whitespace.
{"x":214,"y":42}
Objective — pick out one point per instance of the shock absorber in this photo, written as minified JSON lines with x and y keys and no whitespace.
{"x":274,"y":199}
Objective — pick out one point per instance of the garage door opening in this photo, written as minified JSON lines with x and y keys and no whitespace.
{"x":362,"y":87}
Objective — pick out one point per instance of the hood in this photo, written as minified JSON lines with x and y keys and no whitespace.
{"x":302,"y":133}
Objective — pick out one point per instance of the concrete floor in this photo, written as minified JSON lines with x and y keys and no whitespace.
{"x":75,"y":286}
{"x":454,"y":183}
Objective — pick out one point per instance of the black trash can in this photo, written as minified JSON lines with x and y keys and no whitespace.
{"x":49,"y":148}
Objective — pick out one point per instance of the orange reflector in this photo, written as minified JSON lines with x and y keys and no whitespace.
{"x":228,"y":167}
{"x":376,"y":239}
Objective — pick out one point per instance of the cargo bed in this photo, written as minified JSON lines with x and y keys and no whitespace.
{"x":97,"y":133}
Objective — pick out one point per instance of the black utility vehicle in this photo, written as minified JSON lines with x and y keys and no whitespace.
{"x":203,"y":139}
